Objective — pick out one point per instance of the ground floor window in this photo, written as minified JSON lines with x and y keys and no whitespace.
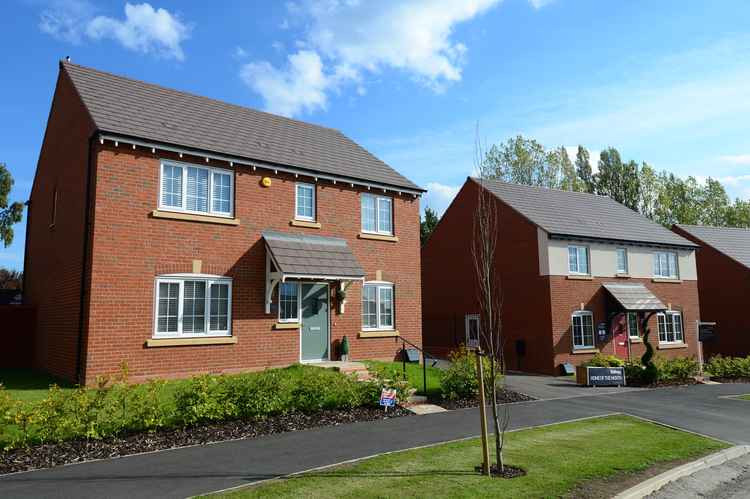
{"x":583,"y":329}
{"x":377,"y":305}
{"x":193,"y":306}
{"x":670,"y":327}
{"x":472,"y":330}
{"x":633,"y":325}
{"x":289,"y":301}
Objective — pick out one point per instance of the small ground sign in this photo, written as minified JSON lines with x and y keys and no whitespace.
{"x":388,"y":397}
{"x":601,"y":376}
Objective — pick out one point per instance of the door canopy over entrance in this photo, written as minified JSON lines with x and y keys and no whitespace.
{"x":296,"y":256}
{"x":634,"y":297}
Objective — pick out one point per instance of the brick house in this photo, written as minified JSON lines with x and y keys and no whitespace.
{"x":579,"y":272}
{"x":181,"y":235}
{"x":723,"y":285}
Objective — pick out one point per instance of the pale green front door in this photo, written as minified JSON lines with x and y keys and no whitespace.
{"x":314,"y":335}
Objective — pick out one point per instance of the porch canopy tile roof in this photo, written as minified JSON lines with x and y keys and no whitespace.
{"x":312,"y":256}
{"x":634,"y":297}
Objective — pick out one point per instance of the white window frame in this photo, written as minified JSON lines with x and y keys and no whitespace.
{"x":629,"y":316}
{"x":378,"y":285}
{"x":657,"y":265}
{"x":211,"y":170}
{"x":625,"y":260}
{"x":583,"y":346}
{"x":378,"y":200}
{"x":181,"y":279}
{"x":578,"y":265}
{"x":299,"y":304}
{"x":297,"y":215}
{"x":663,"y":316}
{"x":469,"y":318}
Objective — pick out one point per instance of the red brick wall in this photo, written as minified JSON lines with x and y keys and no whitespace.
{"x":449,"y":283}
{"x":724,"y":287}
{"x":130,"y":249}
{"x":568,"y":294}
{"x":54,"y":254}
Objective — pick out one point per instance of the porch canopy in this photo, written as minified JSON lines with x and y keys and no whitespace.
{"x":296,"y":256}
{"x":634,"y":297}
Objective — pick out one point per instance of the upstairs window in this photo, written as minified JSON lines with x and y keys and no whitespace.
{"x":377,"y":214}
{"x":622,"y":260}
{"x":665,"y":265}
{"x":578,"y":259}
{"x":583,"y":329}
{"x":305,"y":202}
{"x":377,"y":306}
{"x":670,"y":327}
{"x":193,"y":306}
{"x":196,"y":189}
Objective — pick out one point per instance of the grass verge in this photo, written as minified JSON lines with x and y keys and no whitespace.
{"x":29,"y":385}
{"x":414,"y":375}
{"x":745,"y":397}
{"x":558,"y":459}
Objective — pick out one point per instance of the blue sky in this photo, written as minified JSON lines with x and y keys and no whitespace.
{"x":665,"y":82}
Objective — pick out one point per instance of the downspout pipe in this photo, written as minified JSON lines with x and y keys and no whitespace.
{"x":80,"y":370}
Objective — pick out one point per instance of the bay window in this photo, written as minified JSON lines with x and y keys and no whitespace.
{"x":377,"y":306}
{"x":193,"y":306}
{"x":377,"y":214}
{"x":670,"y":327}
{"x":583,"y":329}
{"x":196,"y":189}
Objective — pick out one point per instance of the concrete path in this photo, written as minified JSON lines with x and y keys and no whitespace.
{"x":552,"y":387}
{"x":189,"y":471}
{"x":730,"y":480}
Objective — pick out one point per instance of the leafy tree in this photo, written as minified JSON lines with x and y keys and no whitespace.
{"x":569,"y":180}
{"x":428,"y":224}
{"x":714,"y":203}
{"x":738,"y":214}
{"x":10,"y":279}
{"x":10,"y":213}
{"x":649,"y":190}
{"x":583,"y":170}
{"x":521,"y":161}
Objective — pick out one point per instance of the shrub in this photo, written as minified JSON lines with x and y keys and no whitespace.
{"x":634,"y":373}
{"x":460,"y":379}
{"x":389,"y":377}
{"x":600,"y":360}
{"x":729,"y":367}
{"x":677,"y":369}
{"x":205,"y":398}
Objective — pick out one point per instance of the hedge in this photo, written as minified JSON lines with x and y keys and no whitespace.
{"x":729,"y":367}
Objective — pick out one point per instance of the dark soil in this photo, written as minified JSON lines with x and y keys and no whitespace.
{"x":508,"y":471}
{"x":55,"y":454}
{"x":503,"y":397}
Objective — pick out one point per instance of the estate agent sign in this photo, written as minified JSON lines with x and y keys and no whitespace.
{"x":600,"y":376}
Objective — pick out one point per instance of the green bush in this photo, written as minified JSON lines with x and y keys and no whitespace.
{"x":729,"y":367}
{"x":460,"y":379}
{"x":634,"y":373}
{"x":677,"y":369}
{"x":600,"y":360}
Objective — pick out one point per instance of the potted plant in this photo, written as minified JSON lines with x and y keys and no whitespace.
{"x":345,"y":349}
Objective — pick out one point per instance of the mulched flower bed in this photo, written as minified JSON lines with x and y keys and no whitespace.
{"x":508,"y":471}
{"x":503,"y":397}
{"x":75,"y":451}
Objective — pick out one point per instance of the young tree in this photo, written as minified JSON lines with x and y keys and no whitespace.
{"x":490,"y":296}
{"x":427,"y":224}
{"x":10,"y":213}
{"x":584,"y":171}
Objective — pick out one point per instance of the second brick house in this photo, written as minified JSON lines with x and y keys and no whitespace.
{"x":180,"y":234}
{"x":579,"y":274}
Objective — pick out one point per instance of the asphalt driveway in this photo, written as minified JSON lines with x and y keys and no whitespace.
{"x":553,"y":387}
{"x":190,"y":471}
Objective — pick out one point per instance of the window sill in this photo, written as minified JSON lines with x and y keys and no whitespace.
{"x":636,"y":340}
{"x":579,"y":277}
{"x":179,"y":342}
{"x":663,"y":279}
{"x":379,"y":334}
{"x":378,"y":237}
{"x":585,"y":350}
{"x":669,"y":346}
{"x":622,"y":275}
{"x":305,"y":223}
{"x":192,"y":217}
{"x":286,"y":325}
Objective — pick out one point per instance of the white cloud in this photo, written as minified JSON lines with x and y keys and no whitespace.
{"x":738,"y":159}
{"x":144,"y":29}
{"x":351,"y":38}
{"x":239,"y":52}
{"x":439,"y":196}
{"x":538,"y":4}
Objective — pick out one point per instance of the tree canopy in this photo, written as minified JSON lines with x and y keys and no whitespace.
{"x":10,"y":213}
{"x":660,"y":196}
{"x":427,"y":224}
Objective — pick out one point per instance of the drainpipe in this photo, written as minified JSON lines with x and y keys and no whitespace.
{"x":80,"y":370}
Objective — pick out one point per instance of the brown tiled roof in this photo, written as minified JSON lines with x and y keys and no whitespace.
{"x":582,"y":215}
{"x":634,"y":297}
{"x":136,"y":109}
{"x":315,"y":256}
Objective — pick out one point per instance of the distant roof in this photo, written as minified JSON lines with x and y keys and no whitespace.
{"x":583,"y":215}
{"x":137,"y":109}
{"x":733,"y":242}
{"x":314,"y":256}
{"x":634,"y":297}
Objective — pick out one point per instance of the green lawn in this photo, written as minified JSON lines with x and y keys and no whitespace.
{"x":557,"y":458}
{"x":745,"y":397}
{"x":414,"y":374}
{"x":29,"y":385}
